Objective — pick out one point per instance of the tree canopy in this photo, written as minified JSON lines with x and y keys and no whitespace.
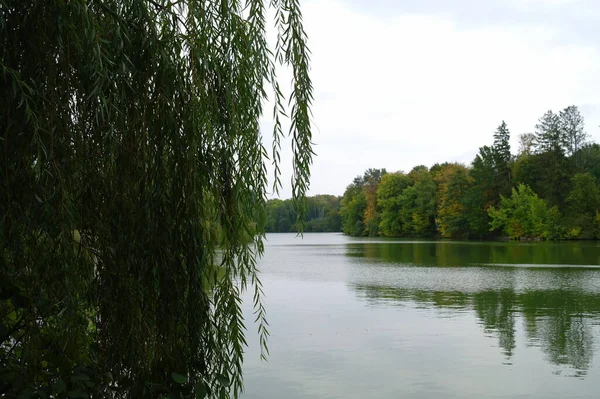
{"x":322,"y":215}
{"x":133,"y":189}
{"x":549,"y":190}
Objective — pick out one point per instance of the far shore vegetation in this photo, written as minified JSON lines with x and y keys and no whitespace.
{"x":548,"y":190}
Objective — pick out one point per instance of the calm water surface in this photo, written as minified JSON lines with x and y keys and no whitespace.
{"x":376,"y":318}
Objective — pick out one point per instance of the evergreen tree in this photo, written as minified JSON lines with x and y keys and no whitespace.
{"x":483,"y":193}
{"x":572,"y":125}
{"x":502,"y":157}
{"x":502,"y":144}
{"x":549,"y":134}
{"x":548,"y":174}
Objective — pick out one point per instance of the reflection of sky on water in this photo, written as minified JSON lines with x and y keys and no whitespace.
{"x":350,"y":325}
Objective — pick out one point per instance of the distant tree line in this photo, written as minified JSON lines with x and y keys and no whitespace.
{"x":548,"y":190}
{"x":322,"y":215}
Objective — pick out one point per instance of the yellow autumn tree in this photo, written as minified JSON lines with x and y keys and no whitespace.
{"x":453,"y":181}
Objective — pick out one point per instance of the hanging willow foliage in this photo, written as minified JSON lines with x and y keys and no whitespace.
{"x":133,"y":189}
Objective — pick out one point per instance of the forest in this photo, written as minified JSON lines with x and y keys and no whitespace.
{"x":322,"y":215}
{"x":548,"y":190}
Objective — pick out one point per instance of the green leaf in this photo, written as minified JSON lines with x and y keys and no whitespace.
{"x":19,"y":301}
{"x":80,"y":377}
{"x":12,"y":316}
{"x":223,"y":380}
{"x":76,"y":393}
{"x":59,"y":386}
{"x":154,"y":162}
{"x":178,"y":378}
{"x":26,"y":394}
{"x":201,"y":390}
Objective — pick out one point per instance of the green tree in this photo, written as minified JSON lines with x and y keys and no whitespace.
{"x":572,"y":125}
{"x":502,"y":158}
{"x":476,"y":215}
{"x":549,"y":134}
{"x":548,"y":174}
{"x":583,"y":203}
{"x":388,"y":198}
{"x":423,"y":207}
{"x":453,"y":182}
{"x":322,"y":215}
{"x":372,"y":215}
{"x":588,"y":159}
{"x":491,"y":177}
{"x":483,"y":171}
{"x":131,"y":158}
{"x":281,"y":216}
{"x":352,"y":209}
{"x":407,"y":203}
{"x":525,"y":215}
{"x":359,"y":210}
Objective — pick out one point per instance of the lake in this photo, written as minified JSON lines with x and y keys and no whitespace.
{"x":383,"y":318}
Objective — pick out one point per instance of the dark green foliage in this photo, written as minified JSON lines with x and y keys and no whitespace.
{"x":502,"y":158}
{"x":476,"y":215}
{"x":588,"y":160}
{"x":572,"y":125}
{"x":483,"y":193}
{"x":323,"y":215}
{"x":422,"y":194}
{"x":583,"y":202}
{"x":281,"y":216}
{"x":548,"y":174}
{"x":502,"y":144}
{"x":352,"y":210}
{"x":492,"y":177}
{"x":130,"y":154}
{"x":549,"y":135}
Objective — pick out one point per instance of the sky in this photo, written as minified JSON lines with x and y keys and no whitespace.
{"x":400,"y":83}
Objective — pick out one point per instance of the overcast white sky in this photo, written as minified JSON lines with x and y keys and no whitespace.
{"x":400,"y":83}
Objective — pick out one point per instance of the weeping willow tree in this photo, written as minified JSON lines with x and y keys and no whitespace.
{"x":133,"y":188}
